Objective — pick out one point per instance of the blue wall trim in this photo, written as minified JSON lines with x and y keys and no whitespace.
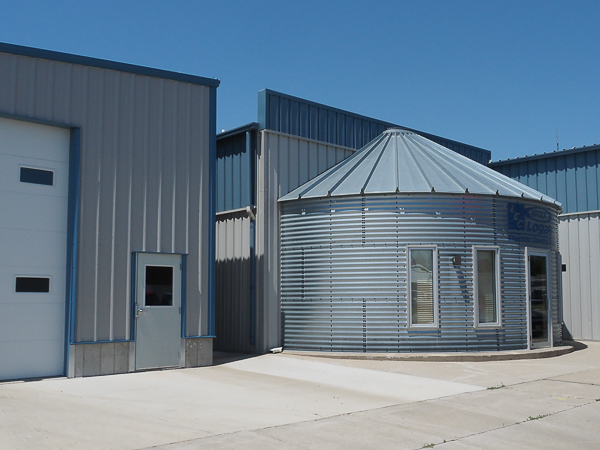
{"x":235,"y":131}
{"x":105,"y":64}
{"x":101,"y":342}
{"x":571,"y":176}
{"x":72,"y":238}
{"x":183,"y":292}
{"x":133,"y":268}
{"x":212,"y":213}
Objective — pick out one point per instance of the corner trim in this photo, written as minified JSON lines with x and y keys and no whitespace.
{"x":72,"y":237}
{"x":212,"y":212}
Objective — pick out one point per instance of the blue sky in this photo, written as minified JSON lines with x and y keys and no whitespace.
{"x":502,"y":75}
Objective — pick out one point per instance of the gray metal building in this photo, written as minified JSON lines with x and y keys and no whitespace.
{"x":572,"y":177}
{"x":107,"y":216}
{"x":293,"y":141}
{"x":407,"y":246}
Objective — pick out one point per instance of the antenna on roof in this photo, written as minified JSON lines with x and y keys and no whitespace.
{"x":557,"y":139}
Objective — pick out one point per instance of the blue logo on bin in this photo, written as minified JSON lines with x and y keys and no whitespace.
{"x":529,"y":224}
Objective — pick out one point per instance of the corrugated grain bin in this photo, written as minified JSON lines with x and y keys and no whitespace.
{"x":407,"y":246}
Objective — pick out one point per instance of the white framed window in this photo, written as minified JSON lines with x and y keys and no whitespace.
{"x":486,"y":287}
{"x":422,"y":286}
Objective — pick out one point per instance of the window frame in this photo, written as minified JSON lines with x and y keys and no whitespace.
{"x":45,"y":277}
{"x":40,"y":169}
{"x":424,"y":326}
{"x":497,"y":278}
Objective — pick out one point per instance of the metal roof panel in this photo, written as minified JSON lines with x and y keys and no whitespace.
{"x":402,"y":161}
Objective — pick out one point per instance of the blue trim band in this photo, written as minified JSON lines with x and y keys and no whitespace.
{"x":212,"y":213}
{"x":105,"y":64}
{"x":72,"y":237}
{"x":252,"y":126}
{"x":198,"y":337}
{"x":101,"y":342}
{"x":183,"y":292}
{"x":133,"y":295}
{"x":554,"y":154}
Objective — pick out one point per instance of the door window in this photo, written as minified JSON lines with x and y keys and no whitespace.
{"x":159,"y":286}
{"x":538,"y":291}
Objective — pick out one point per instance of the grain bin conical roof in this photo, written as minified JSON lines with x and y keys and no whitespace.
{"x":401,"y":161}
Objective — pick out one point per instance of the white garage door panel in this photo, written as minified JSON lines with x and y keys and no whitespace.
{"x":33,"y":239}
{"x":46,"y":320}
{"x":10,"y":176}
{"x":48,"y":247}
{"x":7,"y":284}
{"x":32,"y":140}
{"x":38,"y":205}
{"x":30,"y":359}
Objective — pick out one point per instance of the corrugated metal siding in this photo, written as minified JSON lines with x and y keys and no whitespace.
{"x":284,"y":162}
{"x":580,"y":248}
{"x":144,"y":177}
{"x":234,"y":282}
{"x":236,"y":184}
{"x":343,"y":272}
{"x":571,"y":176}
{"x":299,"y":117}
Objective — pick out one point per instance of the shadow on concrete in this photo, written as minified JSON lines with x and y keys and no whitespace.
{"x":227,"y":357}
{"x":576,"y":345}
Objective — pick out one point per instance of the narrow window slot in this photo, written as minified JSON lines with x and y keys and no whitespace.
{"x":32,"y":284}
{"x":37,"y":176}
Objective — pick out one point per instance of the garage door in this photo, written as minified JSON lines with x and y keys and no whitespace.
{"x":34,"y":169}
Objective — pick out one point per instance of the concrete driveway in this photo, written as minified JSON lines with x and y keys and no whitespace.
{"x":299,"y":402}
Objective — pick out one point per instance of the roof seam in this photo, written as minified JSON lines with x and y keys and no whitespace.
{"x":376,"y":162}
{"x":347,"y":174}
{"x":410,"y":152}
{"x":426,"y":154}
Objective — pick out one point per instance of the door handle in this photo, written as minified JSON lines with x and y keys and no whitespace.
{"x":138,"y":311}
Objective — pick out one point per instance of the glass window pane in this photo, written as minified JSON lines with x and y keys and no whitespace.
{"x":486,"y":286}
{"x":37,"y":176}
{"x":159,"y":286}
{"x":421,"y":281}
{"x":32,"y":284}
{"x":539,"y":298}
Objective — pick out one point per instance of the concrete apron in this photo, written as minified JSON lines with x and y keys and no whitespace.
{"x":550,"y":352}
{"x":285,"y":401}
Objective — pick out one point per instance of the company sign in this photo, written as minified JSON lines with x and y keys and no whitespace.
{"x":529,"y":224}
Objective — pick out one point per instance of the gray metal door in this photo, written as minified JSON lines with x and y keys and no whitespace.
{"x":158,"y":310}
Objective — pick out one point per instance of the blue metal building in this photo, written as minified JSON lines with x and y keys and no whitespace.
{"x":572,"y":177}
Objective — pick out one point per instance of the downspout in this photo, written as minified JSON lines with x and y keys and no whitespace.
{"x":251,"y":149}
